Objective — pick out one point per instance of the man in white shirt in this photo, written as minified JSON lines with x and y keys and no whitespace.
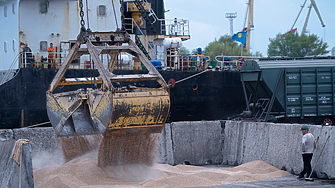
{"x":307,"y":150}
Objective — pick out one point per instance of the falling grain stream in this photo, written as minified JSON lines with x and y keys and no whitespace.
{"x":122,"y":150}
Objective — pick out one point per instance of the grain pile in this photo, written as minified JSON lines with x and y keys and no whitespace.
{"x":85,"y":172}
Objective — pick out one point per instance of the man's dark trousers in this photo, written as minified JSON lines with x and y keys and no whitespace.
{"x":307,"y":157}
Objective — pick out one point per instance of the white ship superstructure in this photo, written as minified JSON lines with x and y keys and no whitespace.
{"x":39,"y":23}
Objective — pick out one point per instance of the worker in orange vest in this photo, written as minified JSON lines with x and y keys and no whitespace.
{"x":51,"y":58}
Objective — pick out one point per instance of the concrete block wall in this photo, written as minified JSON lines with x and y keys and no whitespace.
{"x":201,"y":143}
{"x":198,"y":143}
{"x":10,"y":170}
{"x":278,"y":144}
{"x":42,"y":139}
{"x":164,"y":147}
{"x":6,"y":134}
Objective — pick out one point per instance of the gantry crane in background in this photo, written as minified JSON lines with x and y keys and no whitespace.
{"x":312,"y":5}
{"x":247,"y":26}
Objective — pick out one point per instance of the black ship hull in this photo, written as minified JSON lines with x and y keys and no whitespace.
{"x":212,"y":95}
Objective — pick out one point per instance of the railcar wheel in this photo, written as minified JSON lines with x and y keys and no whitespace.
{"x":327,"y":122}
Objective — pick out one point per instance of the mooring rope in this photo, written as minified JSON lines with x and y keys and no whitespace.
{"x":184,"y":79}
{"x":36,"y":125}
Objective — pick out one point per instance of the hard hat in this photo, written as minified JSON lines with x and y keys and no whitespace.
{"x":304,"y":127}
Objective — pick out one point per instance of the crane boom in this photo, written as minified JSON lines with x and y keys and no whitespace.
{"x":306,"y":21}
{"x":298,"y":14}
{"x":312,"y":5}
{"x":317,"y":12}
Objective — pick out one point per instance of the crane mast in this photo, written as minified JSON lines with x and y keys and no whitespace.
{"x":250,"y":24}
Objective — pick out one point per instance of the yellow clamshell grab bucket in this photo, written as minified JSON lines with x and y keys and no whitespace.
{"x":108,"y":110}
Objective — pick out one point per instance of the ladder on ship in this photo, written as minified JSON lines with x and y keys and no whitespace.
{"x":141,"y":46}
{"x":130,"y":29}
{"x":150,"y":17}
{"x":172,"y":56}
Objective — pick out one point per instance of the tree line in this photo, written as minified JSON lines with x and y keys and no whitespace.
{"x":289,"y":45}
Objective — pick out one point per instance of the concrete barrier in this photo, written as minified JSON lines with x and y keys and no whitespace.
{"x":6,"y":134}
{"x":197,"y":142}
{"x":10,"y":170}
{"x":164,"y":147}
{"x":200,"y":143}
{"x":42,"y":139}
{"x":278,"y":144}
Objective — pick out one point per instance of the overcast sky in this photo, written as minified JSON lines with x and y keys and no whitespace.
{"x":207,"y":19}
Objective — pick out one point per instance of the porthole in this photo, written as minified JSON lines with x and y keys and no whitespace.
{"x":102,"y":10}
{"x":13,"y":8}
{"x":5,"y":46}
{"x":5,"y":11}
{"x":43,"y":46}
{"x":14,"y":45}
{"x":43,"y":8}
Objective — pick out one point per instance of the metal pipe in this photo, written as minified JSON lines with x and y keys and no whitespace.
{"x":22,"y":117}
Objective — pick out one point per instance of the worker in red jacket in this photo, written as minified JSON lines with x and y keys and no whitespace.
{"x":51,"y":57}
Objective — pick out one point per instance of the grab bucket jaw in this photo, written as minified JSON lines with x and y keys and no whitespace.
{"x":79,"y":113}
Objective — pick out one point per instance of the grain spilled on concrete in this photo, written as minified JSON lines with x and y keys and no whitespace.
{"x":75,"y":146}
{"x":126,"y":150}
{"x":86,"y":173}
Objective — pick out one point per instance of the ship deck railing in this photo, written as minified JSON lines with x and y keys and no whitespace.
{"x":198,"y":62}
{"x":180,"y":27}
{"x":169,"y":27}
{"x":42,"y":60}
{"x":232,"y":63}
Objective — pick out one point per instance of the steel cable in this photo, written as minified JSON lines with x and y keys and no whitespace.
{"x":117,"y":25}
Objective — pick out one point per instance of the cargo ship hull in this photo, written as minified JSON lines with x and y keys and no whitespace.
{"x":212,"y":95}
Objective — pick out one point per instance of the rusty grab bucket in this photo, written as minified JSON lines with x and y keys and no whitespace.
{"x":139,"y":112}
{"x":119,"y":114}
{"x":108,"y":110}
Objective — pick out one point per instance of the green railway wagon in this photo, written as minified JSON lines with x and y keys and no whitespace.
{"x":290,"y":89}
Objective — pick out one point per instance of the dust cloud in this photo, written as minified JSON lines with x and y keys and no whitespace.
{"x":45,"y":159}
